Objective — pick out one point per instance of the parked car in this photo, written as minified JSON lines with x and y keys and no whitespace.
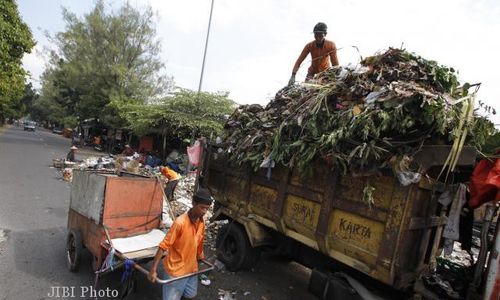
{"x":57,"y":130}
{"x":29,"y":126}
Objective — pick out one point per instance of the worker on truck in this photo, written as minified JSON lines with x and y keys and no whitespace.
{"x":322,"y":52}
{"x":183,"y":246}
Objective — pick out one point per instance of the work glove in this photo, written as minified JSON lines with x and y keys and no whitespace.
{"x":292,"y":80}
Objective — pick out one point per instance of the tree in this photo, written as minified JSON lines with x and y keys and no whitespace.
{"x":180,"y":114}
{"x":50,"y":111}
{"x":15,"y":40}
{"x":23,"y":106}
{"x":103,"y":61}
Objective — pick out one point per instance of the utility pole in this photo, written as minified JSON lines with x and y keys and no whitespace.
{"x":206,"y":46}
{"x":193,"y":133}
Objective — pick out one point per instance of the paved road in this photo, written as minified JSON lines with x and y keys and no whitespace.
{"x":33,"y":214}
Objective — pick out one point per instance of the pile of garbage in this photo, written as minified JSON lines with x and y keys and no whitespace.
{"x":374,"y":115}
{"x":182,"y":202}
{"x":183,"y":194}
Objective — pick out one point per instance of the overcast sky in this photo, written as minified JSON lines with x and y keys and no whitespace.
{"x":254,"y":44}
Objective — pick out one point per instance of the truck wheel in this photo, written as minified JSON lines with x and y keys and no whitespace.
{"x":234,"y":249}
{"x":74,"y":247}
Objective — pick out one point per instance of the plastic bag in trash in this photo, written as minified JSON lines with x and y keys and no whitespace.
{"x":166,"y":220}
{"x":445,"y":198}
{"x":204,"y":280}
{"x":194,"y":153}
{"x":406,"y":178}
{"x":268,"y":162}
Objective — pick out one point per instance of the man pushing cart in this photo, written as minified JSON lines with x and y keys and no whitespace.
{"x":183,"y":246}
{"x":118,"y":220}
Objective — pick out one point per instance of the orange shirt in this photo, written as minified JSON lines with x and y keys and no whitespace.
{"x":320,"y":57}
{"x":169,"y":173}
{"x":184,"y":243}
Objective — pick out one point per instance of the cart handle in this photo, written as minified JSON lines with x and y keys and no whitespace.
{"x":167,"y":281}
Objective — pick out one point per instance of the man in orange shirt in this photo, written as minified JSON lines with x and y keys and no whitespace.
{"x":322,"y":53}
{"x":173,"y":178}
{"x":183,"y":246}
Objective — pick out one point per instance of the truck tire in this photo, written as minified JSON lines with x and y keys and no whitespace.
{"x":234,"y":249}
{"x":74,"y":247}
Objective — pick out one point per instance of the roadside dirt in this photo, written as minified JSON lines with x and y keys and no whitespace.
{"x":272,"y":278}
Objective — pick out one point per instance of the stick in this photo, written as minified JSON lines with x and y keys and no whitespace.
{"x":168,"y":202}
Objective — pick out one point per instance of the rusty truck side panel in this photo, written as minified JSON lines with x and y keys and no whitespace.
{"x":393,"y":240}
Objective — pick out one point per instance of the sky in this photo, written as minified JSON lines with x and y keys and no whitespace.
{"x":253,"y":44}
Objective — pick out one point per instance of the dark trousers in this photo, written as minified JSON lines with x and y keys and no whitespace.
{"x":170,"y":188}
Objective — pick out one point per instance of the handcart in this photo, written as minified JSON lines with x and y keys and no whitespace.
{"x":115,"y":216}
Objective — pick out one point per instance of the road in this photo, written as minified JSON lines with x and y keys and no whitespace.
{"x":34,"y":202}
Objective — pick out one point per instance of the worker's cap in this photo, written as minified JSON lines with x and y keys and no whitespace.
{"x":320,"y":27}
{"x":203,"y":196}
{"x":73,"y":148}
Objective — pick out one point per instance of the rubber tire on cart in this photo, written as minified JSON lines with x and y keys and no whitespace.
{"x":128,"y":287}
{"x":74,"y":247}
{"x":234,"y":249}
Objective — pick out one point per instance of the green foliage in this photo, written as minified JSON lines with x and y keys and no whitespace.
{"x":48,"y":110}
{"x":15,"y":40}
{"x":361,"y":119}
{"x":105,"y":60}
{"x":23,"y":106}
{"x":437,"y":75}
{"x":179,"y":114}
{"x":492,"y":143}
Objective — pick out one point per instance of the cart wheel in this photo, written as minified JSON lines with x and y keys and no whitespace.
{"x":74,"y":246}
{"x":129,"y":286}
{"x":234,"y":249}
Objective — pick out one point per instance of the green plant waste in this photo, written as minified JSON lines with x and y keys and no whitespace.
{"x":375,"y":115}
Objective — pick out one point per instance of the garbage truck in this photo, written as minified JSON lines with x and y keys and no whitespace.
{"x":344,"y":174}
{"x":322,"y":222}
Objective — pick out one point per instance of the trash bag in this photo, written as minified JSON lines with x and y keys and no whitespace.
{"x":485,"y":183}
{"x":194,"y":153}
{"x":406,"y":178}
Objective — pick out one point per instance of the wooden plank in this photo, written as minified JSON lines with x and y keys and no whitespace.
{"x":140,"y":254}
{"x":326,"y":209}
{"x":421,"y":223}
{"x":280,"y":202}
{"x":435,"y":155}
